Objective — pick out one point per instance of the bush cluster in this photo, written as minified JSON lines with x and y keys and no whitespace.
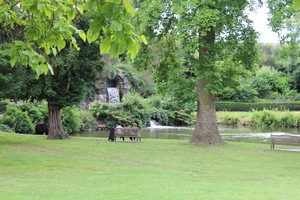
{"x":269,"y":118}
{"x":22,"y":117}
{"x":233,"y":106}
{"x":17,"y":120}
{"x":231,"y":120}
{"x":135,"y":109}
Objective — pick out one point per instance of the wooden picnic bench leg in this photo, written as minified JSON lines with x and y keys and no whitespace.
{"x":271,"y":145}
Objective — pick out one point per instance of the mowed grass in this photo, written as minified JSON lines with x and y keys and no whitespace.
{"x":33,"y":167}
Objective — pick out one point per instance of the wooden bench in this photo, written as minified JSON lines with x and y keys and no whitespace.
{"x":285,"y":140}
{"x":128,"y":132}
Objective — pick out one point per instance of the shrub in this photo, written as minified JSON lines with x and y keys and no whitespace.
{"x":70,"y":120}
{"x":4,"y":128}
{"x":231,"y":119}
{"x":136,"y":109}
{"x":265,"y":118}
{"x":288,"y":120}
{"x":17,"y":120}
{"x":156,"y":101}
{"x":86,"y":120}
{"x":180,"y":118}
{"x":36,"y":111}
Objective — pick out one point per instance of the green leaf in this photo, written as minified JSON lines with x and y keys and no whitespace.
{"x":92,"y":36}
{"x":96,"y":25}
{"x":128,"y":28}
{"x":74,"y":43}
{"x":54,"y":51}
{"x":144,"y":40}
{"x":81,"y":34}
{"x":71,"y":14}
{"x":105,"y":46}
{"x":296,"y":3}
{"x":45,"y":68}
{"x":89,"y":5}
{"x":39,"y":70}
{"x":116,"y":26}
{"x":130,"y":9}
{"x":50,"y":68}
{"x":133,"y":47}
{"x":60,"y":44}
{"x":118,"y":35}
{"x":13,"y":61}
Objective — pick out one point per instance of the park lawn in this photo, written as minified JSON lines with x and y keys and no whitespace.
{"x":33,"y":167}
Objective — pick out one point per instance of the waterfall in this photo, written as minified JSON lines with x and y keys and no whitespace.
{"x":153,"y":123}
{"x":113,"y":95}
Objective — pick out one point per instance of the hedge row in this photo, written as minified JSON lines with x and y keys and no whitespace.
{"x":233,"y":106}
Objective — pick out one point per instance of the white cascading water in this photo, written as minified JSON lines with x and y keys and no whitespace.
{"x":113,"y":95}
{"x":153,"y":123}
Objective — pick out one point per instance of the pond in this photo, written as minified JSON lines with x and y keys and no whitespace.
{"x":228,"y":133}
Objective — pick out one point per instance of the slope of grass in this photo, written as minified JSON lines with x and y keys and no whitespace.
{"x":32,"y":167}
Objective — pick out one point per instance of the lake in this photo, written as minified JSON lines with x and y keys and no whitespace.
{"x":228,"y":133}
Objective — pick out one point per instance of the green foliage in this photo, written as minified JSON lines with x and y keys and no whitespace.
{"x":245,"y":93}
{"x":4,"y":127}
{"x":136,"y":109}
{"x":231,"y":119}
{"x":140,"y":82}
{"x":288,"y":120}
{"x":49,"y":27}
{"x":87,"y":120}
{"x":265,"y":118}
{"x":267,"y":83}
{"x":17,"y":120}
{"x":271,"y":118}
{"x":296,"y":3}
{"x":269,"y":55}
{"x":180,"y":118}
{"x":232,"y":106}
{"x":36,"y":111}
{"x":155,"y":101}
{"x":268,"y":79}
{"x":70,"y":120}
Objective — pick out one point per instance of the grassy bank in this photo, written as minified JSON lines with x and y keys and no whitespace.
{"x":265,"y":118}
{"x":32,"y":167}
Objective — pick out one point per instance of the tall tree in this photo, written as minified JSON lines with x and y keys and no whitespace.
{"x":73,"y":72}
{"x":40,"y":30}
{"x":285,"y":21}
{"x":217,"y":38}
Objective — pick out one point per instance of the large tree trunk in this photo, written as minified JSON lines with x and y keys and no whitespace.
{"x":55,"y":128}
{"x":206,"y":129}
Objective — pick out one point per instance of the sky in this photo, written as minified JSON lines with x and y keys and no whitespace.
{"x":260,"y":18}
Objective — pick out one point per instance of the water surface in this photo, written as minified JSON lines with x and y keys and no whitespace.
{"x":228,"y":133}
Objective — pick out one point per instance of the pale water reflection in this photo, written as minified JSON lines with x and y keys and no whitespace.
{"x":228,"y":133}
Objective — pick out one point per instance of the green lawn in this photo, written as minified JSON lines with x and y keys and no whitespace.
{"x":32,"y":167}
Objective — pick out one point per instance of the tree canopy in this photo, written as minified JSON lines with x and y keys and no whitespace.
{"x":48,"y":27}
{"x":218,"y":45}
